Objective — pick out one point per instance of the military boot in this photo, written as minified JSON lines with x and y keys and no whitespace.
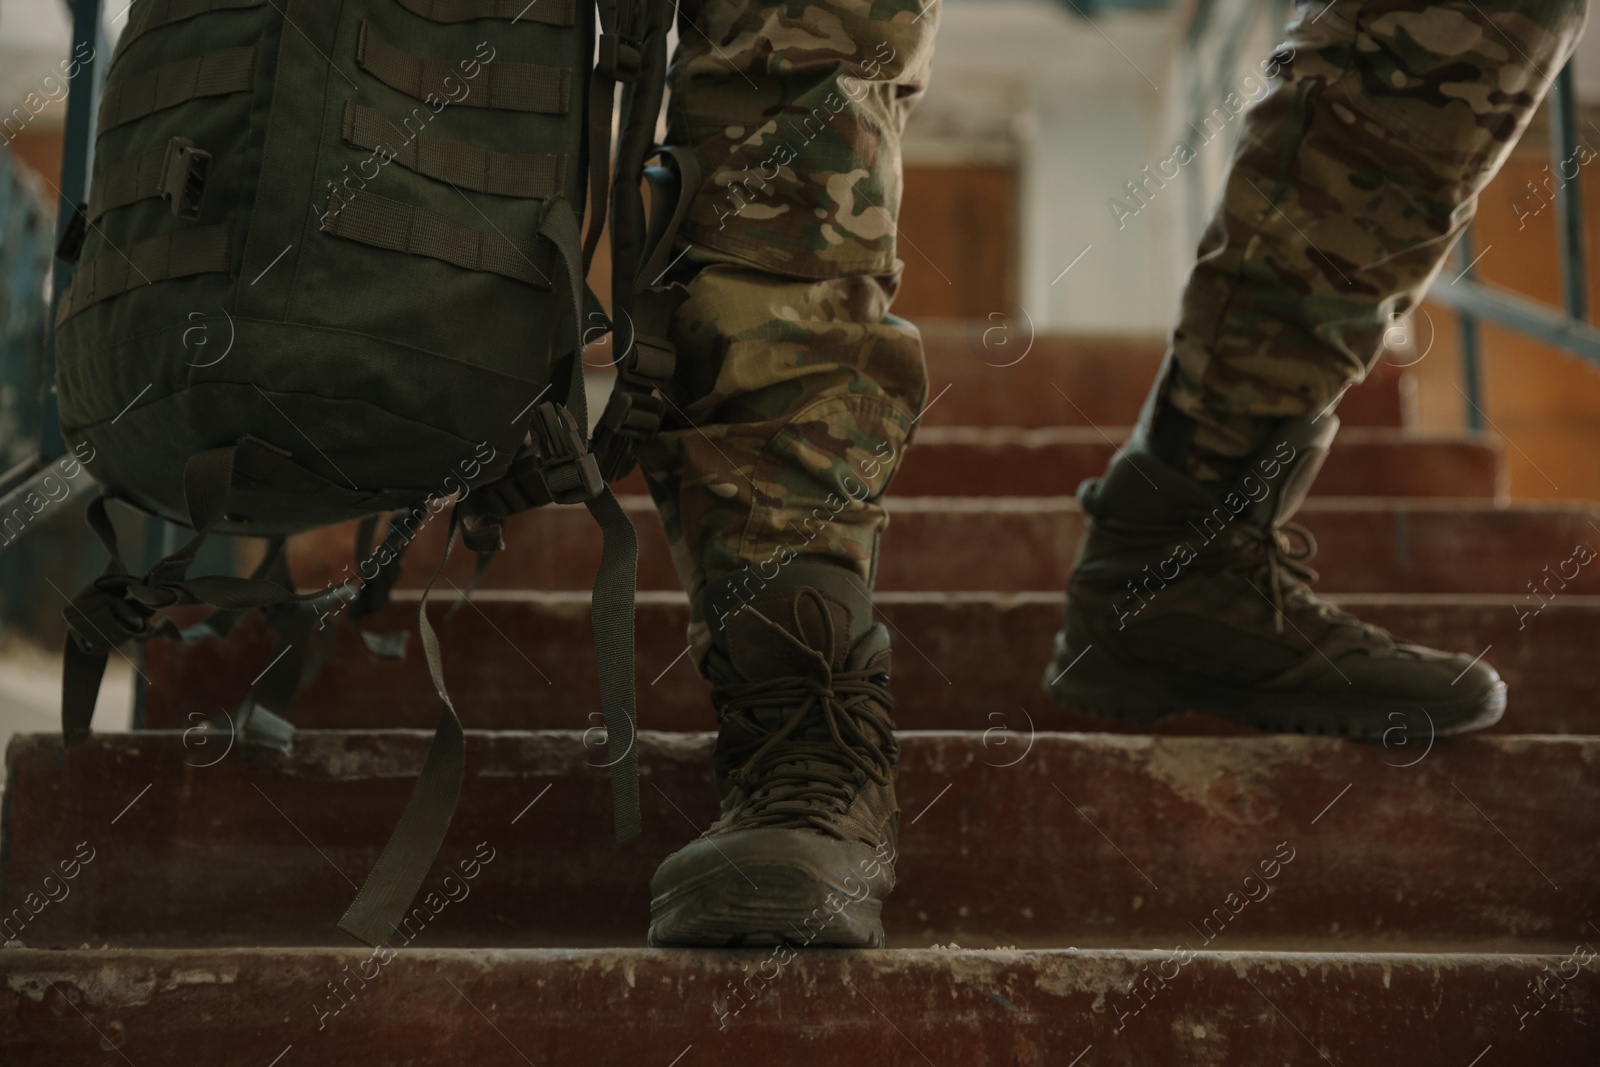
{"x":1194,"y":596}
{"x":804,"y":849}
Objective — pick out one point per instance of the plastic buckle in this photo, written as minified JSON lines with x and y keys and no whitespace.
{"x":630,"y":414}
{"x":654,"y":359}
{"x":619,"y":58}
{"x":183,"y":177}
{"x":480,"y":533}
{"x":106,"y":617}
{"x":629,"y":418}
{"x":569,"y":469}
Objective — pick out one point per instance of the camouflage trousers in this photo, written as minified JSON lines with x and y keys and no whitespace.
{"x":796,"y":390}
{"x":1353,"y":178}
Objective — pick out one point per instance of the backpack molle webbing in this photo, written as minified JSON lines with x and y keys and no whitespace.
{"x":374,"y":204}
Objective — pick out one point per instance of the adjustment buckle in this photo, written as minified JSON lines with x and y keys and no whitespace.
{"x":105,"y":615}
{"x":568,"y":468}
{"x":619,"y":58}
{"x":481,"y":534}
{"x":654,"y":359}
{"x":183,"y":177}
{"x":629,"y":419}
{"x":630,"y":414}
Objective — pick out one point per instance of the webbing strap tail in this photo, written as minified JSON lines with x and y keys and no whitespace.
{"x":393,"y":883}
{"x":611,"y":609}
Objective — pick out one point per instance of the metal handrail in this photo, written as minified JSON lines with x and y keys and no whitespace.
{"x":1566,"y":328}
{"x":77,"y":160}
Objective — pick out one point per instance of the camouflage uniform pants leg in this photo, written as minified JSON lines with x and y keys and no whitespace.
{"x":796,"y":390}
{"x":1352,"y":180}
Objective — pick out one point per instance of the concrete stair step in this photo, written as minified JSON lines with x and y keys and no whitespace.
{"x":525,"y":660}
{"x":1048,"y":840}
{"x":714,"y":1009}
{"x":1017,"y":544}
{"x":1002,"y":377}
{"x":979,"y":375}
{"x":967,"y":461}
{"x":1365,"y":461}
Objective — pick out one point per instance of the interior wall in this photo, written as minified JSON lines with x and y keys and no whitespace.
{"x":958,"y":240}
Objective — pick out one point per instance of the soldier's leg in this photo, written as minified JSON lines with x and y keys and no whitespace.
{"x":796,"y":388}
{"x":794,"y":400}
{"x":1353,"y":179}
{"x":1351,"y":183}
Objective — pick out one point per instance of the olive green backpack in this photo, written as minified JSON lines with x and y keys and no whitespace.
{"x":368,"y":212}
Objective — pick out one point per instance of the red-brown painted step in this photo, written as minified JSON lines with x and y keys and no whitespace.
{"x":1050,"y":840}
{"x":1018,"y":544}
{"x":520,"y":660}
{"x":986,"y":374}
{"x":429,"y":1007}
{"x":969,"y":461}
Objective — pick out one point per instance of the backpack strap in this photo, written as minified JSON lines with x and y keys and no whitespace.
{"x":375,"y":592}
{"x":414,"y":844}
{"x":119,"y":605}
{"x":639,"y":247}
{"x":563,"y":466}
{"x":560,"y":468}
{"x":611,"y":612}
{"x":296,"y":657}
{"x":618,"y":61}
{"x":637,"y":404}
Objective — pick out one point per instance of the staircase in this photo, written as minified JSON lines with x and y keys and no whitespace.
{"x":1190,"y":895}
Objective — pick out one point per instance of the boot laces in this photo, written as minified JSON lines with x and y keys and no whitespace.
{"x":835,"y":737}
{"x":1279,"y":553}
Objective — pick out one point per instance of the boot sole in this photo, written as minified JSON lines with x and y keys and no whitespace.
{"x":1098,"y":687}
{"x":766,"y":887}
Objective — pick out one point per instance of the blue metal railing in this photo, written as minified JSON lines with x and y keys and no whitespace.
{"x":46,"y":446}
{"x":1566,"y":328}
